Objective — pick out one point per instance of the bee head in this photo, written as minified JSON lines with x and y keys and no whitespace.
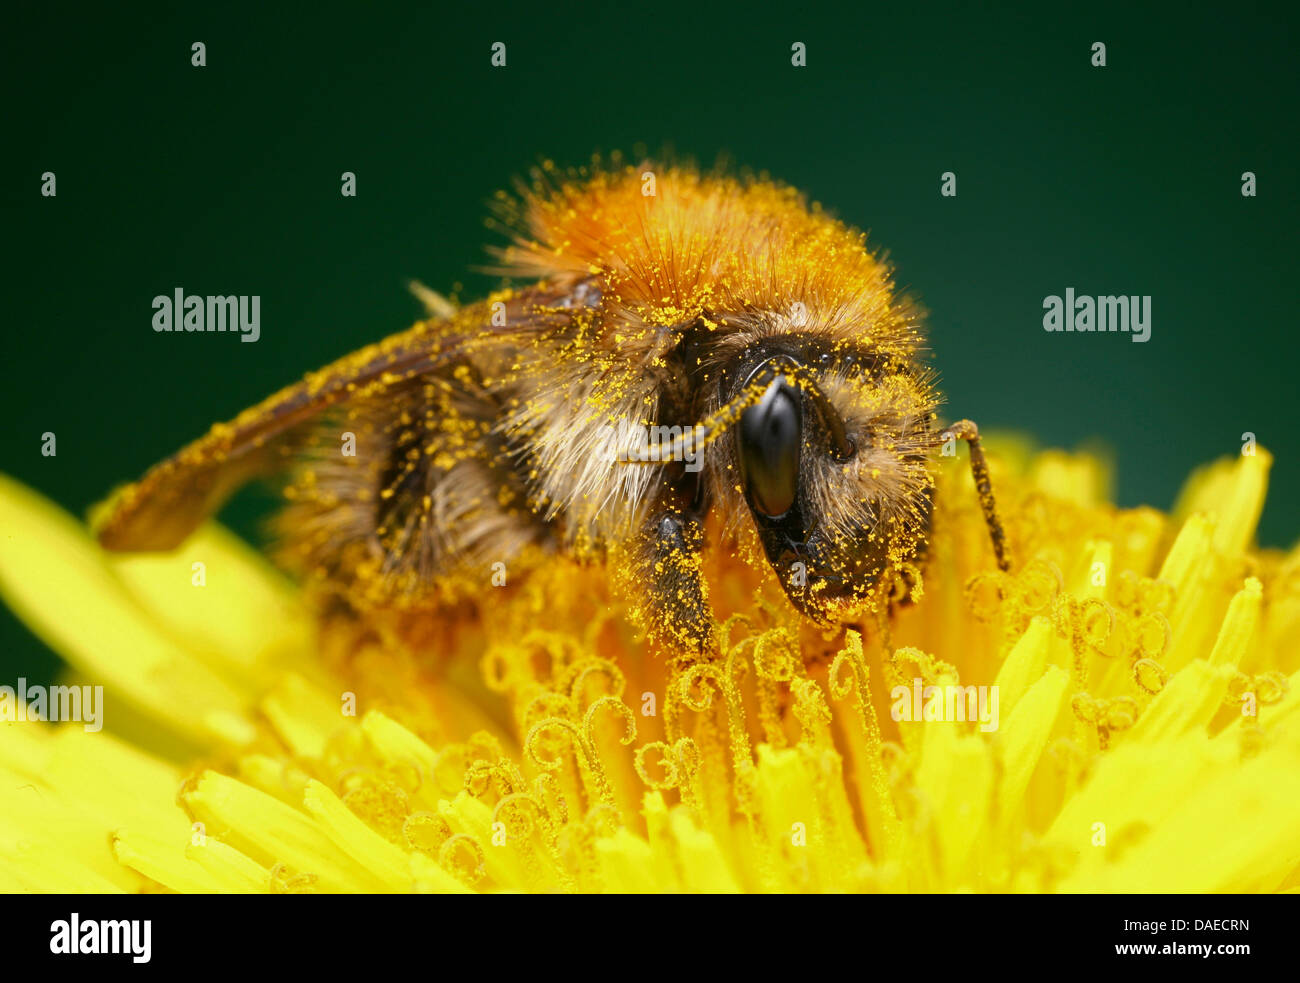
{"x":831,"y":451}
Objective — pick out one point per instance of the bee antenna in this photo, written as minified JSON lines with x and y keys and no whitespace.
{"x":967,"y":431}
{"x":796,"y":373}
{"x":720,"y":420}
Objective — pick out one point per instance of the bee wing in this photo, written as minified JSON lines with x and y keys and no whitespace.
{"x":168,"y":503}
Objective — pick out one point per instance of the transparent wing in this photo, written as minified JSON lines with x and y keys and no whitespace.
{"x":168,"y":503}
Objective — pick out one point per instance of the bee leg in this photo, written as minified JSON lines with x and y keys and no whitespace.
{"x":669,"y":588}
{"x":967,"y":431}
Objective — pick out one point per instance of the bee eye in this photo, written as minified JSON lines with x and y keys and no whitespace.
{"x":768,"y":449}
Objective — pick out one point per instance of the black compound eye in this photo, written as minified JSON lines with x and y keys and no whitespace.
{"x":767,"y":445}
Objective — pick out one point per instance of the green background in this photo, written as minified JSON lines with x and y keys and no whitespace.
{"x":225,"y":179}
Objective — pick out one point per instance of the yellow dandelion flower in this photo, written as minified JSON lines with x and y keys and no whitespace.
{"x":1128,"y":700}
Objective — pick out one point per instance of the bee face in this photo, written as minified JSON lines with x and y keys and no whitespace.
{"x":831,"y":460}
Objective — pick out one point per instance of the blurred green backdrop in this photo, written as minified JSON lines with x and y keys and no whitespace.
{"x":225,"y":179}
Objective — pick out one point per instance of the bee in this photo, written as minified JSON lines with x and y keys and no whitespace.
{"x":757,"y":338}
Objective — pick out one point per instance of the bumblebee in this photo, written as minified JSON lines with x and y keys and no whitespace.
{"x":760,"y":332}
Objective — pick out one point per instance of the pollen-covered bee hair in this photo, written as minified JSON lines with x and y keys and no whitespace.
{"x":759,"y":332}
